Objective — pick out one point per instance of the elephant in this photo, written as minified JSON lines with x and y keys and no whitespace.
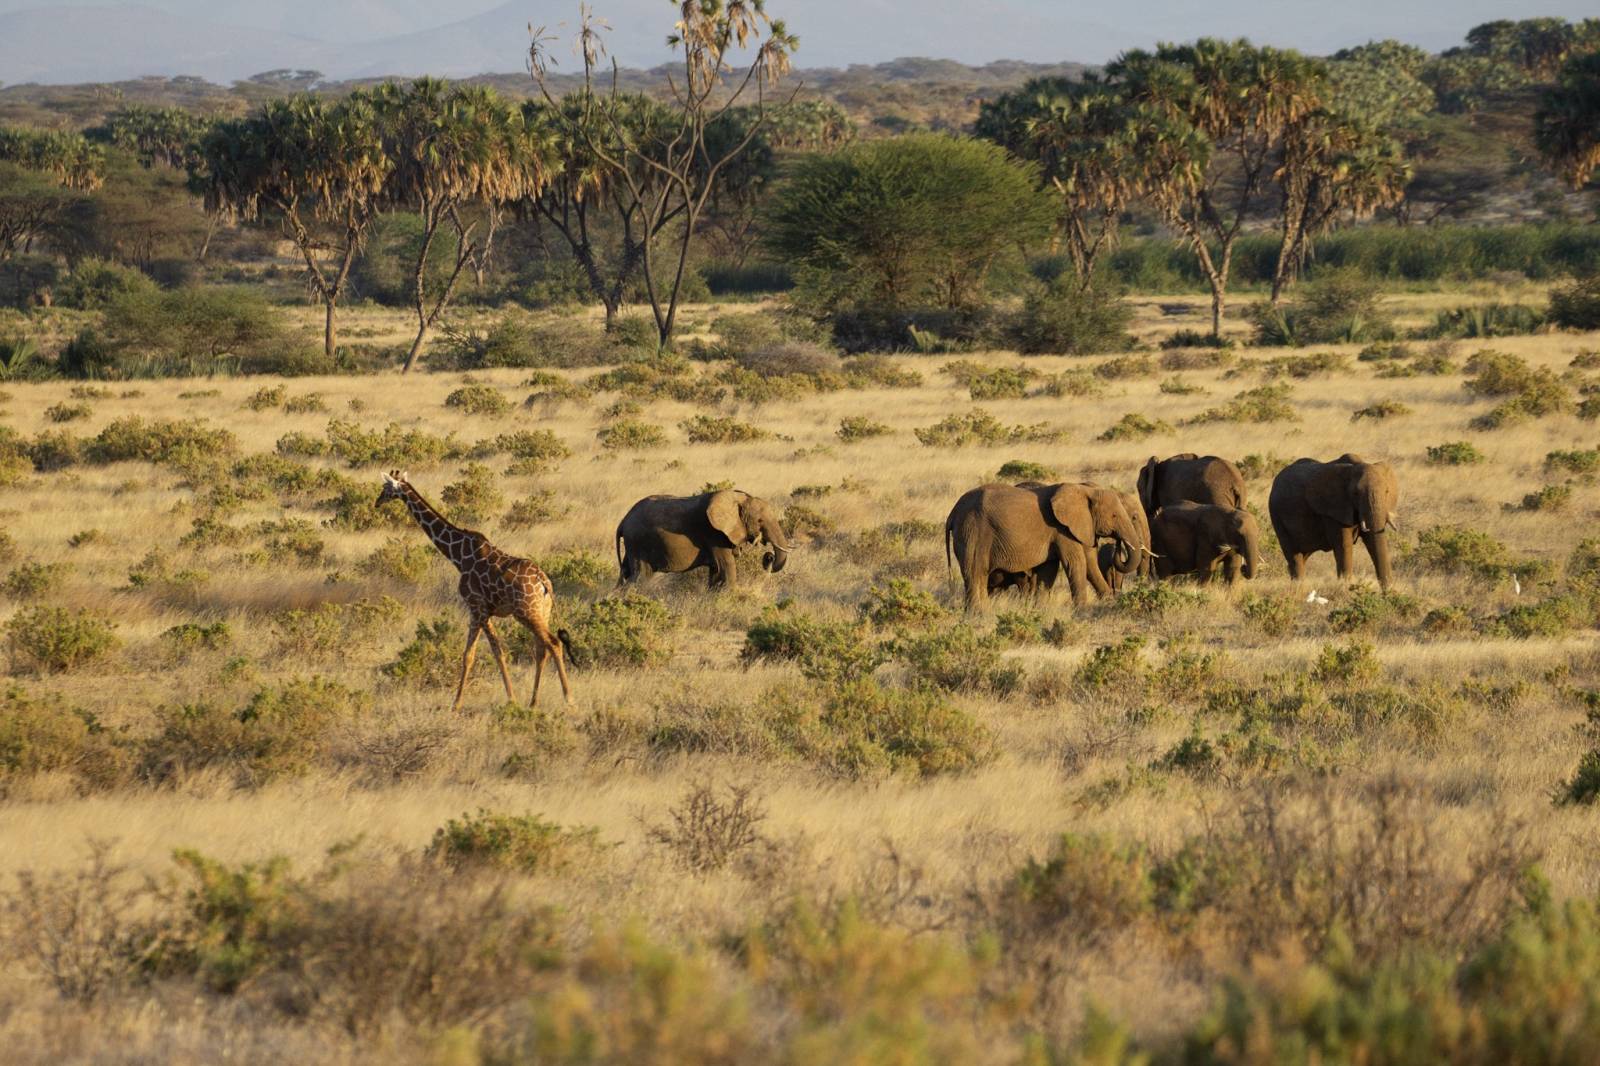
{"x":1193,"y":538}
{"x":1317,"y":507}
{"x":1004,"y":535}
{"x":1190,"y":477}
{"x":1107,"y":552}
{"x":674,"y":534}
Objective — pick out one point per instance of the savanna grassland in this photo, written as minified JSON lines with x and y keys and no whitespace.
{"x":821,"y":817}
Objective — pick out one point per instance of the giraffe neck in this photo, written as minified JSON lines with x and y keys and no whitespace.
{"x":454,"y":543}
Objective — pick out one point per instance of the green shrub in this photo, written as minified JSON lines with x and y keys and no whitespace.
{"x":1265,"y":403}
{"x":32,"y":581}
{"x":399,"y":559}
{"x":525,"y":844}
{"x":1583,"y":789}
{"x":56,"y":639}
{"x":199,"y":330}
{"x":1459,"y":550}
{"x":536,"y":451}
{"x":1113,"y":665}
{"x":1454,"y":453}
{"x":67,"y":412}
{"x":188,"y":637}
{"x":629,"y":435}
{"x":1576,"y":305}
{"x":92,"y":284}
{"x":1064,"y":318}
{"x":1071,"y":383}
{"x":132,"y":438}
{"x":266,"y":398}
{"x":980,"y":427}
{"x":1334,"y":307}
{"x":859,"y":729}
{"x":1346,"y":664}
{"x":1385,"y":409}
{"x":1088,"y":887}
{"x":1548,"y":498}
{"x":1532,"y":391}
{"x":1134,"y":426}
{"x":828,"y":652}
{"x":1482,"y":321}
{"x":624,"y":631}
{"x":957,"y":658}
{"x":55,"y":450}
{"x":858,"y":428}
{"x":1584,"y":462}
{"x":1368,"y":608}
{"x":432,"y":659}
{"x":1273,"y":615}
{"x":475,"y":496}
{"x":43,"y":735}
{"x":577,"y":570}
{"x":536,"y":508}
{"x":704,"y":429}
{"x":479,"y":400}
{"x":280,"y":732}
{"x":1024,"y":470}
{"x":900,"y":603}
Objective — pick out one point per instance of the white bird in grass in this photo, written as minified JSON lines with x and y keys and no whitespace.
{"x":1314,"y":598}
{"x":1516,"y":586}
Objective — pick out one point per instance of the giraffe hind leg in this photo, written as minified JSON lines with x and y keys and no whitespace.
{"x":548,"y":645}
{"x":466,"y":662}
{"x":499,"y":656}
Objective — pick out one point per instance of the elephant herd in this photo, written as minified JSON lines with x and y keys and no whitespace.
{"x":1189,"y":516}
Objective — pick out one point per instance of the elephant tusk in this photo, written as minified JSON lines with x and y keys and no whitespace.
{"x":1152,"y":554}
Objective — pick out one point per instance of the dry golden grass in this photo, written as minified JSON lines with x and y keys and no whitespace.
{"x":960,"y":834}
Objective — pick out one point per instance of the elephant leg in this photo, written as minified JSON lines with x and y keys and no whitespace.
{"x":1234,"y":565}
{"x":1077,"y":578}
{"x":723,"y":568}
{"x":1344,"y":552}
{"x":1091,"y":566}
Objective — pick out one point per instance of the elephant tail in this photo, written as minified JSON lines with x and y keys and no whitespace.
{"x":619,"y":547}
{"x":567,"y":648}
{"x":949,"y":555}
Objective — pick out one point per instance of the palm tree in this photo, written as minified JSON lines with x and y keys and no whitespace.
{"x":452,"y":149}
{"x":318,"y":167}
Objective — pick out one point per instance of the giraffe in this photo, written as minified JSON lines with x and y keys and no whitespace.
{"x":493,"y":584}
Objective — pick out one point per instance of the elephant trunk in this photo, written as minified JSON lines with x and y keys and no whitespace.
{"x":1378,"y":547}
{"x":776,"y":559}
{"x":1251,"y":559}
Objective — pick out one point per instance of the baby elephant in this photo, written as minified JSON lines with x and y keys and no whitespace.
{"x":1193,"y":538}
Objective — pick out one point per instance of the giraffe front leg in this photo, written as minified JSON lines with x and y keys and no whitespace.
{"x":499,"y":656}
{"x":538,"y":674}
{"x":466,"y":662}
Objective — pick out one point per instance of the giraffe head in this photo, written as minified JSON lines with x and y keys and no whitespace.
{"x":394,"y":487}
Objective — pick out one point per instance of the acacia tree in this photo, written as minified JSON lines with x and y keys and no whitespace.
{"x":730,"y":49}
{"x":1210,"y":118}
{"x":319,"y":169}
{"x":44,"y":178}
{"x":1567,"y":124}
{"x":1331,"y":166}
{"x":454,"y":150}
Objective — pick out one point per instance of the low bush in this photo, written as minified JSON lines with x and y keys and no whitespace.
{"x":577,"y":570}
{"x":1334,"y":307}
{"x":858,"y":428}
{"x":432,"y":658}
{"x":624,"y":631}
{"x":475,"y":496}
{"x":1454,"y":453}
{"x":1483,"y":321}
{"x":162,"y":441}
{"x":525,"y":844}
{"x":980,"y":427}
{"x":631,"y":435}
{"x":1063,"y":318}
{"x":705,"y":429}
{"x":1576,"y":305}
{"x":897,"y":603}
{"x":401,"y":559}
{"x":536,"y":451}
{"x":55,"y":639}
{"x":1134,"y":426}
{"x":479,"y":400}
{"x":33,"y":581}
{"x":1548,"y":498}
{"x":1265,"y":403}
{"x":957,"y":658}
{"x":1378,"y":411}
{"x":706,"y":832}
{"x":1459,"y":550}
{"x":536,"y":508}
{"x":1024,"y":470}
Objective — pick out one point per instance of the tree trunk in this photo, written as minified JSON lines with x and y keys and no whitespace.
{"x":1219,"y":300}
{"x":416,"y":348}
{"x":328,"y":328}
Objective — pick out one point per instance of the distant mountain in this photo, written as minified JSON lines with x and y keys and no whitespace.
{"x":83,"y":44}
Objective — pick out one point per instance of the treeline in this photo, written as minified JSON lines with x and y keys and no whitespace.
{"x":1243,"y":161}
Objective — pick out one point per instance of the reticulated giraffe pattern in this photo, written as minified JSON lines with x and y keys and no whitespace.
{"x":493,"y":585}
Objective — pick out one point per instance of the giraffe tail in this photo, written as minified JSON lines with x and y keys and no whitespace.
{"x":567,"y":647}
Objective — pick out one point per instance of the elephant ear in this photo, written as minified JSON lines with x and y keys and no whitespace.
{"x":725,"y":516}
{"x":1070,"y":506}
{"x":1147,"y":484}
{"x":1328,"y":494}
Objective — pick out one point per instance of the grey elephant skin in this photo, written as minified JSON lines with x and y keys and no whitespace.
{"x":675,"y":534}
{"x":1002,"y":535}
{"x":1318,"y":507}
{"x":1190,"y":478}
{"x":1197,"y":538}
